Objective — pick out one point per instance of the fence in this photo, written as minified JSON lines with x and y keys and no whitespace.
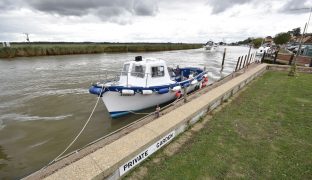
{"x":287,"y":59}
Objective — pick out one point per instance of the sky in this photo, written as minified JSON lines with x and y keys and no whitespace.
{"x":187,"y":21}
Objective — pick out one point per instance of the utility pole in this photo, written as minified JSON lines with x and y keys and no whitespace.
{"x":27,"y":37}
{"x":293,"y":69}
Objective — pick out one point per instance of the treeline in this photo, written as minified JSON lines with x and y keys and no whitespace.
{"x":278,"y":39}
{"x":51,"y":49}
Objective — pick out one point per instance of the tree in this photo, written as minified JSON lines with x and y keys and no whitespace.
{"x":246,"y":41}
{"x":257,"y":42}
{"x":282,"y":38}
{"x":296,"y":31}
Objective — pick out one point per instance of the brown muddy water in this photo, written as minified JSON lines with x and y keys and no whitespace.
{"x":44,"y":102}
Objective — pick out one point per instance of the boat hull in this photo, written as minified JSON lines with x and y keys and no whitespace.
{"x":118,"y":105}
{"x":210,"y":48}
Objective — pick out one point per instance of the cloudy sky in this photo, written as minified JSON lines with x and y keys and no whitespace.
{"x":149,"y":20}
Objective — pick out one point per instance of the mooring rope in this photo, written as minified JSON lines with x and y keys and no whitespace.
{"x":83,"y":128}
{"x":139,"y":113}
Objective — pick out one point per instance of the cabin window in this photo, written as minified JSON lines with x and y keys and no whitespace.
{"x":125,"y":70}
{"x":158,"y":71}
{"x":138,"y":71}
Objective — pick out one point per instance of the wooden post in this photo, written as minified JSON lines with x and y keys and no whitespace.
{"x":310,"y":63}
{"x":237,"y":64}
{"x":223,"y":59}
{"x":245,"y":61}
{"x":250,"y":59}
{"x":262,"y":59}
{"x":240,"y":63}
{"x":274,"y":61}
{"x":291,"y":58}
{"x":249,"y":52}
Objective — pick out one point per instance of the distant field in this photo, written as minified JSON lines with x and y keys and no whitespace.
{"x":48,"y":49}
{"x":265,"y":133}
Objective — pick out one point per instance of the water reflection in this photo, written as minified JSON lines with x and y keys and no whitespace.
{"x":3,"y":158}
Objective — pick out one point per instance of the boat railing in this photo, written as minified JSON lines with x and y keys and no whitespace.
{"x":118,"y":74}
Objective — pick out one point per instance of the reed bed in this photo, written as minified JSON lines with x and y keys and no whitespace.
{"x":36,"y":49}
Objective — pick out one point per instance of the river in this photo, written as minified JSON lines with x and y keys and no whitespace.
{"x":44,"y":101}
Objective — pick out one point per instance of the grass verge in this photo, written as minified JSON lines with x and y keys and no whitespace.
{"x":266,"y":133}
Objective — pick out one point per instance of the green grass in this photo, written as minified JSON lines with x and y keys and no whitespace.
{"x":37,"y":49}
{"x":266,"y":133}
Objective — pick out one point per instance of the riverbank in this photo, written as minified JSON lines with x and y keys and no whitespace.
{"x":264,"y":134}
{"x":52,"y":49}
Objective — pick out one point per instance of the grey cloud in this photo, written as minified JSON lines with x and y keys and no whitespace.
{"x":116,"y":15}
{"x":105,"y":9}
{"x":145,"y":8}
{"x":118,"y":11}
{"x":290,"y":6}
{"x":296,"y":6}
{"x":2,"y":4}
{"x":219,"y":6}
{"x":74,"y":7}
{"x":7,"y":4}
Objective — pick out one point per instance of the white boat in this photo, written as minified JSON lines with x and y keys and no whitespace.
{"x":262,"y":50}
{"x":210,"y":46}
{"x":145,"y":83}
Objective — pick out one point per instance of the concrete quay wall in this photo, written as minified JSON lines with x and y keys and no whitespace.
{"x":119,"y":157}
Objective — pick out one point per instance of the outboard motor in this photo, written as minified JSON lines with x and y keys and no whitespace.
{"x":138,"y":58}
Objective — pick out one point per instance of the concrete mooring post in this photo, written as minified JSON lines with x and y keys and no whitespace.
{"x":224,"y":53}
{"x":157,"y":112}
{"x":185,"y":94}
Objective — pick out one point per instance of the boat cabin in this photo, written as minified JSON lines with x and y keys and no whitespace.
{"x":145,"y":73}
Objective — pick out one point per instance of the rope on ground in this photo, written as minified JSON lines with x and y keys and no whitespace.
{"x":83,"y":128}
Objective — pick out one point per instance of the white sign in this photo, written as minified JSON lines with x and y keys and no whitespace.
{"x":144,"y":154}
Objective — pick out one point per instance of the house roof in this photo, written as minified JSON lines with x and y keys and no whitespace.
{"x":307,"y":39}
